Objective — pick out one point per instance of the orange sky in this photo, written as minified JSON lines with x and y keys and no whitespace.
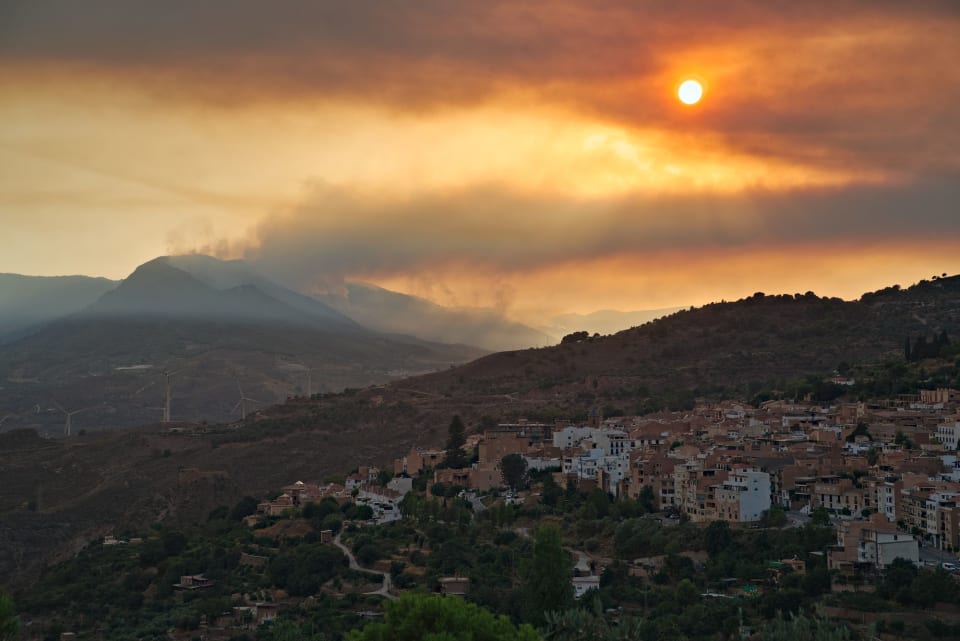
{"x":529,"y":157}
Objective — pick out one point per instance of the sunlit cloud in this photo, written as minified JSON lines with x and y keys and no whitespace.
{"x":485,"y":152}
{"x":497,"y":235}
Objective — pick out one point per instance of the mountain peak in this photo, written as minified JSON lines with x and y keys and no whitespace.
{"x":203,"y":287}
{"x":154,"y":288}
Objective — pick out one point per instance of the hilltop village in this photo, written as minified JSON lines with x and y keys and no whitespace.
{"x":708,"y":523}
{"x":886,"y":471}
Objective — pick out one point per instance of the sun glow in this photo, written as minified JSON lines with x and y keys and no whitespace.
{"x":690,"y":92}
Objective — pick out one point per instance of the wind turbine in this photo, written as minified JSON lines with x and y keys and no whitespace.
{"x":309,"y":376}
{"x":67,"y":428}
{"x":166,"y":405}
{"x":242,"y":403}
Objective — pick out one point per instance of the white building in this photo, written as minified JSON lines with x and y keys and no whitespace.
{"x":949,"y":435}
{"x":939,"y":506}
{"x":570,"y":436}
{"x":886,"y":500}
{"x":880,"y":549}
{"x":612,"y":442}
{"x":401,"y":485}
{"x":744,"y":496}
{"x":875,"y":543}
{"x":615,"y":469}
{"x":581,"y":584}
{"x":540,"y":463}
{"x":584,"y":465}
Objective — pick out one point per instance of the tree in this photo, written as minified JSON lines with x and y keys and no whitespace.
{"x":816,"y":581}
{"x":546,"y":576}
{"x":244,"y":507}
{"x":775,"y":517}
{"x":9,"y":626}
{"x":897,"y":580}
{"x":860,"y":430}
{"x":589,"y":625}
{"x":384,"y":476}
{"x":286,"y":630}
{"x":513,"y":468}
{"x":902,"y":440}
{"x":647,"y":499}
{"x":820,"y":517}
{"x":456,"y":438}
{"x":803,"y":628}
{"x":174,"y":542}
{"x":332,"y":522}
{"x":317,"y":512}
{"x":417,"y":617}
{"x":575,"y":337}
{"x":717,"y":537}
{"x":303,"y":569}
{"x":873,"y":456}
{"x":929,"y":588}
{"x":686,"y":592}
{"x":551,"y":493}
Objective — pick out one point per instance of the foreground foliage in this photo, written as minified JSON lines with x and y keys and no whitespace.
{"x":9,"y":627}
{"x":803,"y":628}
{"x":420,"y":617}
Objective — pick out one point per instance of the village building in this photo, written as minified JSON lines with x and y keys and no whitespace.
{"x":873,"y":545}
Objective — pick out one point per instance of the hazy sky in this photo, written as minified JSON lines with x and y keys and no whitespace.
{"x":532,"y":156}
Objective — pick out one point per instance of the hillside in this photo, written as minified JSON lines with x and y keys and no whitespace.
{"x":605,"y":321}
{"x":28,"y":301}
{"x":219,"y":331}
{"x":737,"y":349}
{"x":391,"y":312}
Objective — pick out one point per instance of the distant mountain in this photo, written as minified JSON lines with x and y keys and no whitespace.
{"x":231,"y":274}
{"x":606,"y":321}
{"x":221,"y":327}
{"x":203,"y":288}
{"x":29,"y":301}
{"x":391,"y":312}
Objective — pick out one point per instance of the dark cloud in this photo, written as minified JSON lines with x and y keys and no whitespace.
{"x":341,"y":234}
{"x":497,"y":34}
{"x":835,"y":83}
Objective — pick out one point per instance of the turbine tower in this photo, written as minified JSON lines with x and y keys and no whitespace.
{"x":242,"y":403}
{"x":166,"y":405}
{"x":309,"y":371}
{"x":68,"y":426}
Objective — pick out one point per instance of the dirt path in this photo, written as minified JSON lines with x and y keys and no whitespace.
{"x":384,"y":589}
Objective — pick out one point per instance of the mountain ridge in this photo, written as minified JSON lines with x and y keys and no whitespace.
{"x":159,"y":288}
{"x":108,"y":359}
{"x":731,"y":350}
{"x":29,"y":301}
{"x":393,"y":312}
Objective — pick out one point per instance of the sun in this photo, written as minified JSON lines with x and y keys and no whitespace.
{"x":690,"y":92}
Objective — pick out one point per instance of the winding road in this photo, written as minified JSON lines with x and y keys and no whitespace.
{"x":384,"y":590}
